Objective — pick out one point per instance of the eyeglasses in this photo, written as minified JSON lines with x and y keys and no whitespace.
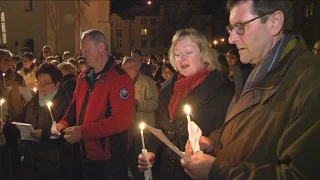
{"x":239,"y":27}
{"x":43,"y":84}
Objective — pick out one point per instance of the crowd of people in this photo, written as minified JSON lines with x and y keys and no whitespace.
{"x":256,"y":105}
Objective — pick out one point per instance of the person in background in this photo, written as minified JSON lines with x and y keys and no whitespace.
{"x":146,"y":103}
{"x":316,"y":48}
{"x":66,"y":55}
{"x":47,"y":51}
{"x":272,"y":130}
{"x":12,"y":106}
{"x":16,"y":63}
{"x":144,"y":67}
{"x":103,"y":107}
{"x":166,"y":72}
{"x":238,"y":72}
{"x":28,"y":70}
{"x":69,"y":81}
{"x":197,"y":83}
{"x":75,"y":64}
{"x":46,"y":158}
{"x":83,"y":65}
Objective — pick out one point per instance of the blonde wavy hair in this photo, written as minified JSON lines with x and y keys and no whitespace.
{"x":207,"y":55}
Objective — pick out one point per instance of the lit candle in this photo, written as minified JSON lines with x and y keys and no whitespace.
{"x":35,"y":89}
{"x":142,"y":126}
{"x":1,"y":102}
{"x":4,"y":80}
{"x":49,"y":104}
{"x":187,"y":109}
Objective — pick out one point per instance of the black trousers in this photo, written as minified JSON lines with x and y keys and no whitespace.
{"x":117,"y":170}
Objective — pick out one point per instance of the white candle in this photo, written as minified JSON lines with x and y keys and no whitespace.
{"x":4,"y":80}
{"x":49,"y":104}
{"x":1,"y":102}
{"x":35,"y":89}
{"x":142,"y":126}
{"x":187,"y":109}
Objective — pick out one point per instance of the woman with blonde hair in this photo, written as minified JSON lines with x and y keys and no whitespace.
{"x":197,"y":83}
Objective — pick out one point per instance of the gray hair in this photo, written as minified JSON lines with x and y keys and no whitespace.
{"x":96,"y":36}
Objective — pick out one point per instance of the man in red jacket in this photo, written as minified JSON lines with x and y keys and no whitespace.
{"x":102,"y":106}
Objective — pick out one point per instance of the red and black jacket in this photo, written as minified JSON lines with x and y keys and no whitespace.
{"x":103,"y":107}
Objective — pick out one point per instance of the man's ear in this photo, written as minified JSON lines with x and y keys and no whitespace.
{"x":277,"y":22}
{"x":101,"y":46}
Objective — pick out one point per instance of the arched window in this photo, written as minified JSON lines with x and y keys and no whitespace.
{"x":3,"y":32}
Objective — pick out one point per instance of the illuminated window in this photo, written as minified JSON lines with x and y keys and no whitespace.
{"x":143,"y":32}
{"x":3,"y":39}
{"x":143,"y":43}
{"x":119,"y":44}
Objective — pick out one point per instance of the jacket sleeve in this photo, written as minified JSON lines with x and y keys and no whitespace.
{"x":121,"y":112}
{"x":69,"y":118}
{"x":149,"y":103}
{"x":298,"y":147}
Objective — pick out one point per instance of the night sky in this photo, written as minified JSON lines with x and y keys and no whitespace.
{"x":119,"y":5}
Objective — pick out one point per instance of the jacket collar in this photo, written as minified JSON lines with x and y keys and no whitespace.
{"x":269,"y":86}
{"x":106,"y":68}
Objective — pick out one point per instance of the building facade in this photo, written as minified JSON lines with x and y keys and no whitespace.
{"x":150,"y":30}
{"x":59,"y":24}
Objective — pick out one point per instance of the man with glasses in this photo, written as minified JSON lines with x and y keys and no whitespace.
{"x":272,"y":130}
{"x":316,"y":48}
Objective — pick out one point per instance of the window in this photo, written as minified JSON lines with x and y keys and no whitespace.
{"x":153,"y":21}
{"x":143,"y":21}
{"x":3,"y":38}
{"x":306,"y":11}
{"x":153,"y":43}
{"x":27,"y":5}
{"x":119,"y":44}
{"x":119,"y":33}
{"x":143,"y":32}
{"x":143,"y":43}
{"x":153,"y":32}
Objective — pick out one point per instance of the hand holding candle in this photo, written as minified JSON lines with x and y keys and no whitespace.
{"x":194,"y":132}
{"x":54,"y":131}
{"x":148,"y":172}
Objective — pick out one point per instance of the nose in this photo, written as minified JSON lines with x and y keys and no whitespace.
{"x":233,"y":37}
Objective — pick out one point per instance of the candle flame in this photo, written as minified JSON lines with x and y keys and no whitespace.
{"x":142,"y":126}
{"x":1,"y":101}
{"x":49,"y":104}
{"x":35,"y":89}
{"x":187,"y":109}
{"x":3,"y":74}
